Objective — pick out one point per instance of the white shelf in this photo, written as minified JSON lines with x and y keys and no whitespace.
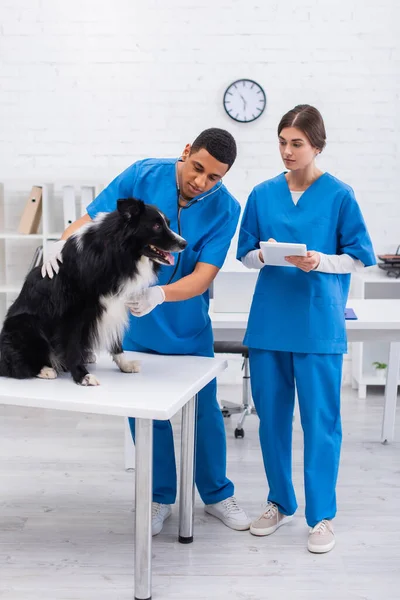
{"x":61,"y":202}
{"x":30,"y":236}
{"x":21,"y":236}
{"x":10,"y":289}
{"x":375,"y":380}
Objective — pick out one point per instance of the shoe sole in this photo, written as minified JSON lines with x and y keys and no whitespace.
{"x":269,"y":530}
{"x":321,"y":549}
{"x":234,"y":527}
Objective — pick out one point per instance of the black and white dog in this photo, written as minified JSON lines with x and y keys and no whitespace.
{"x":55,"y":324}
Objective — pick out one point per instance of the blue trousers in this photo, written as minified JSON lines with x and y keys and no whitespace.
{"x":318,"y":381}
{"x":210,"y":475}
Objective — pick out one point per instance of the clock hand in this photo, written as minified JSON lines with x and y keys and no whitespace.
{"x":244,"y":102}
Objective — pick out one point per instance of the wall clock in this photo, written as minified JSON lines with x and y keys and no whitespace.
{"x":244,"y":100}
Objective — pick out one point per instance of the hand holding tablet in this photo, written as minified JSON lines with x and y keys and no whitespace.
{"x":274,"y":253}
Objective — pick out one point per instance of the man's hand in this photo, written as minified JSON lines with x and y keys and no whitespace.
{"x":305,"y":263}
{"x":144,"y":303}
{"x":53,"y":258}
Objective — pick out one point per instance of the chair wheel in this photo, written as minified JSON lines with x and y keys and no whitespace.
{"x":225,"y":412}
{"x":239,"y":433}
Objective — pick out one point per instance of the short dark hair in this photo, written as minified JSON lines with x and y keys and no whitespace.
{"x":219,"y":143}
{"x":309,"y":120}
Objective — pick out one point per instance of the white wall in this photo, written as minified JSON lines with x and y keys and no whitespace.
{"x":88,"y":87}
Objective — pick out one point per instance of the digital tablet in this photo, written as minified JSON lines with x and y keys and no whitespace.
{"x":274,"y":252}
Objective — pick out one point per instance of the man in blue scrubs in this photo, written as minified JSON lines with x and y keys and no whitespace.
{"x":172,"y":317}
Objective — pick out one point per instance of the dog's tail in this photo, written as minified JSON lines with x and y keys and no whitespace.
{"x":15,"y":368}
{"x":23,"y":349}
{"x":3,"y":371}
{"x":4,"y":368}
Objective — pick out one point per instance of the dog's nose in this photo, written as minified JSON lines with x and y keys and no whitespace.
{"x":183,"y":244}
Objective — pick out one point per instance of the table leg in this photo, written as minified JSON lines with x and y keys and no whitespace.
{"x":143,"y":500}
{"x":389,"y":411}
{"x":188,"y":464}
{"x":129,"y":447}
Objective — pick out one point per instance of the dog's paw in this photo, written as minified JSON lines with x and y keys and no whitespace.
{"x":89,"y":379}
{"x":125,"y":365}
{"x":47,"y":373}
{"x":130,"y":366}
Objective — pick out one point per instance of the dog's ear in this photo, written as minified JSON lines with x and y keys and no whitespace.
{"x":130,"y":208}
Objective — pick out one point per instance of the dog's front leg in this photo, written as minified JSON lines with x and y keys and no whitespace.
{"x":89,"y":357}
{"x":81,"y":375}
{"x":125,"y":365}
{"x":74,"y":357}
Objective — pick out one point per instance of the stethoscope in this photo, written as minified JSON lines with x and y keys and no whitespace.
{"x":185,"y":207}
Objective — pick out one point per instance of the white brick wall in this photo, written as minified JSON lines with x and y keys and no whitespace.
{"x":87,"y":87}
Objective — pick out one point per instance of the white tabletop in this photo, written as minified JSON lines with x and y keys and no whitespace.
{"x":163,"y":386}
{"x":372,"y":315}
{"x":375,"y":275}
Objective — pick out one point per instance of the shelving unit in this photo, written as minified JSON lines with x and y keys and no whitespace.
{"x":16,"y":250}
{"x":371,"y":284}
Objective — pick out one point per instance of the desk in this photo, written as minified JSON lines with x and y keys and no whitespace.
{"x":378,"y":320}
{"x":165,"y":385}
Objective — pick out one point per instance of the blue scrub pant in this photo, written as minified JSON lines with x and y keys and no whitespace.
{"x":210,"y":475}
{"x":318,"y":380}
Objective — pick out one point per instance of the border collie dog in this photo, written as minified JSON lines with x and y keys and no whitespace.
{"x":55,"y":324}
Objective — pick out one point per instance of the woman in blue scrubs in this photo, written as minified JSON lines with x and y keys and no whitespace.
{"x":172,"y":317}
{"x":296,"y":331}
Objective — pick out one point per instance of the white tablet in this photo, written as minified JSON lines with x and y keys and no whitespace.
{"x":274,"y":252}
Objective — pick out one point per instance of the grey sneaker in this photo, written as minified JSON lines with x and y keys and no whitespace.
{"x":270,"y":520}
{"x":159,"y":513}
{"x":321,"y":537}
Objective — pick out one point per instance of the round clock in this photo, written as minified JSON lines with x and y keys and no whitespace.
{"x":244,"y":100}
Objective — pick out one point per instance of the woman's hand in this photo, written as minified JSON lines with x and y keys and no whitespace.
{"x":260,"y":256}
{"x":305,"y":263}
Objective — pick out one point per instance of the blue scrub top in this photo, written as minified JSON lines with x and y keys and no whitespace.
{"x":294,"y":311}
{"x":208,"y":225}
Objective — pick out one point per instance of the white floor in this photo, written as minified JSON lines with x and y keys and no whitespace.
{"x":66,"y":520}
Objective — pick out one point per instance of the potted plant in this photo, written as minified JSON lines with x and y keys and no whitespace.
{"x":381,"y":368}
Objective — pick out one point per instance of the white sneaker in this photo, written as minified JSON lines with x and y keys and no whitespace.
{"x":321,"y":538}
{"x":269,"y":521}
{"x":159,"y":513}
{"x":229,"y":513}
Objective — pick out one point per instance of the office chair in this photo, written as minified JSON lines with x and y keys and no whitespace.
{"x":247,"y":406}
